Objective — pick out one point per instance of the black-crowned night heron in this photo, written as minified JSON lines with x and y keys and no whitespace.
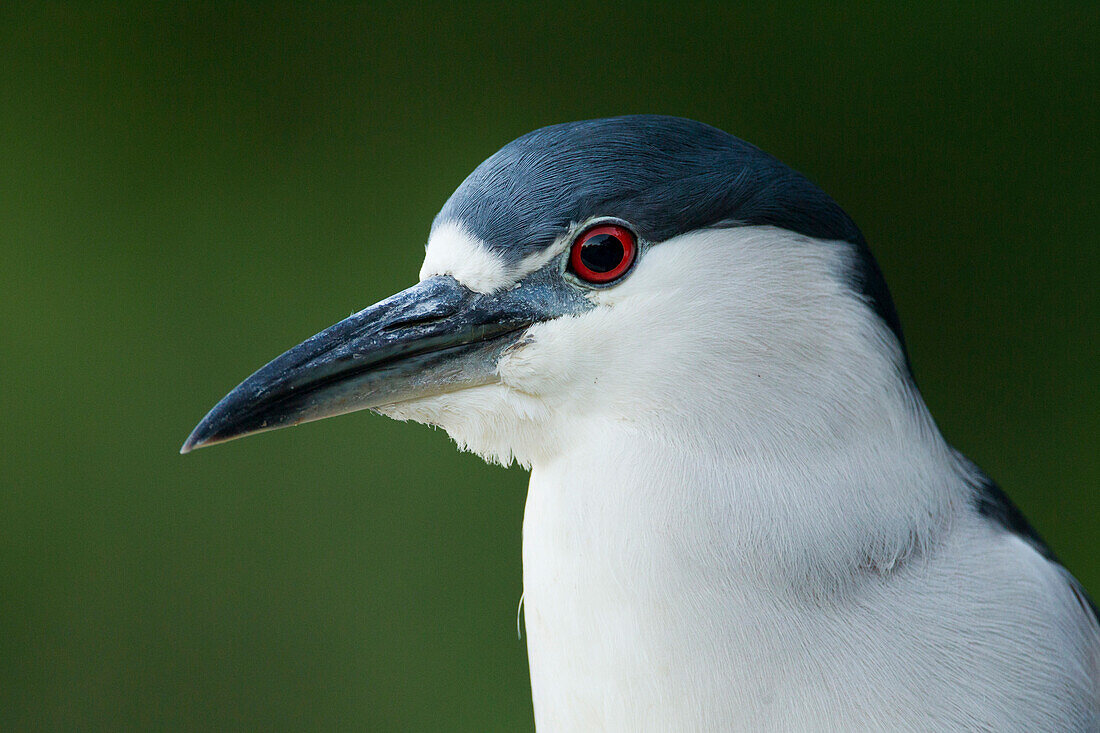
{"x":741,"y":515}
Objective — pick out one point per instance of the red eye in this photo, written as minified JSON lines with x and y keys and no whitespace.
{"x":603,"y":253}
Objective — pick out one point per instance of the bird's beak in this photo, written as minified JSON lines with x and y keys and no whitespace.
{"x":436,"y":337}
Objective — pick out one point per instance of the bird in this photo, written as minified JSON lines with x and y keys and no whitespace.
{"x":741,"y":515}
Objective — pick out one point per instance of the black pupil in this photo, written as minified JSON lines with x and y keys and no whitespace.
{"x":602,"y":252}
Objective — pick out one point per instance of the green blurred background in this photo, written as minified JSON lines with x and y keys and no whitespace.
{"x":186,"y":191}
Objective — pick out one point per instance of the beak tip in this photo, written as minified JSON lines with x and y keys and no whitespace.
{"x":204,"y":434}
{"x":194,"y":440}
{"x":229,"y":419}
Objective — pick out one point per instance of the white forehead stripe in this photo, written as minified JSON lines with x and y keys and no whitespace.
{"x":456,"y":252}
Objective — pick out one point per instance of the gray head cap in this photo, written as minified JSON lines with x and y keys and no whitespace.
{"x":664,"y":175}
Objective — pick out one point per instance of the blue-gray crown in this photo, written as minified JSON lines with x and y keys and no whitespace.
{"x":664,"y":175}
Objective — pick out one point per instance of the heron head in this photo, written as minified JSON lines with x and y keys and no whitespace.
{"x":629,"y":270}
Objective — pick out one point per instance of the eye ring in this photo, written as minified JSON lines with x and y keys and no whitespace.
{"x":603,"y":253}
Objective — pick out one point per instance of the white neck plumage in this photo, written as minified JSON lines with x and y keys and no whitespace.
{"x":639,"y":558}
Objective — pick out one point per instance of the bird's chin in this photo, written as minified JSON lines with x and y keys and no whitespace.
{"x":493,"y":421}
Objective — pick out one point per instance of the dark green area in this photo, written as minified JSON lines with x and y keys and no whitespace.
{"x":186,"y":192}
